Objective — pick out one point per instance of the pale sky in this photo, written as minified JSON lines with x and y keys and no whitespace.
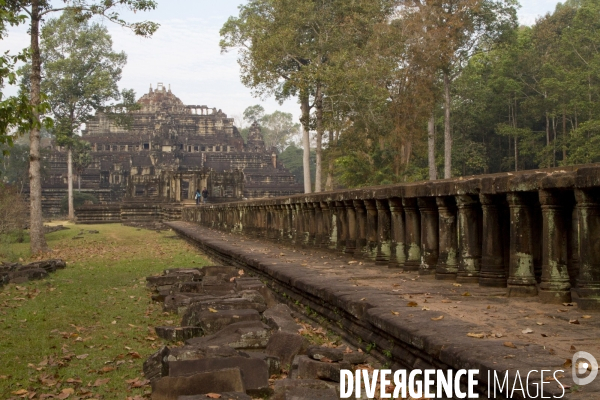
{"x":185,"y":53}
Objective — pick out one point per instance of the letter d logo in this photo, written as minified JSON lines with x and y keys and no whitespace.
{"x":581,"y":367}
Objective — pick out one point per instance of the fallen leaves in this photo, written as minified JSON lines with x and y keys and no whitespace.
{"x":213,"y":395}
{"x":441,"y":317}
{"x":412,"y":304}
{"x":574,"y":321}
{"x":476,"y":335}
{"x":100,"y":382}
{"x":510,"y":344}
{"x":65,"y":393}
{"x":527,"y":331}
{"x":212,"y":310}
{"x":395,"y":313}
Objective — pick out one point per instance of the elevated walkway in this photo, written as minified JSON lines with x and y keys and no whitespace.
{"x":411,"y":320}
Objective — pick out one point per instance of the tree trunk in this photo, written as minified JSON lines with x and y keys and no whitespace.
{"x":431,"y":147}
{"x":547,"y":130}
{"x":564,"y":127}
{"x":329,"y":181}
{"x":36,"y":222}
{"x":70,"y":183}
{"x":320,"y":133}
{"x":79,"y":182}
{"x":516,"y":155}
{"x":305,"y":119}
{"x":447,"y":133}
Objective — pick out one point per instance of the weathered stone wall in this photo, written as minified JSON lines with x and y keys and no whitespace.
{"x":128,"y":212}
{"x":537,"y":233}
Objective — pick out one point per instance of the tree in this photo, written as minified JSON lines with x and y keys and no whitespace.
{"x":278,"y":127}
{"x":456,"y":29}
{"x":254,"y":113}
{"x":81,"y":72}
{"x":287,"y":48}
{"x":82,"y":158}
{"x":36,"y":10}
{"x":16,"y":113}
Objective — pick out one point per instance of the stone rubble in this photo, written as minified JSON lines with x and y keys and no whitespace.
{"x":239,"y":342}
{"x":19,"y":273}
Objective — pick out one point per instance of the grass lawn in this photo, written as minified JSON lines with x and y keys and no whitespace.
{"x":84,"y":332}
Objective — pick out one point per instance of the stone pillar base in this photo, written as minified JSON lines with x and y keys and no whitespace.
{"x":522,"y":291}
{"x":445,"y":276}
{"x":589,"y":303}
{"x":412,"y":266}
{"x":555,"y":296}
{"x":467,"y":279}
{"x":492,"y":280}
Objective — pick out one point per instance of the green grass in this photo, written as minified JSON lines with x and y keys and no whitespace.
{"x":97,"y":306}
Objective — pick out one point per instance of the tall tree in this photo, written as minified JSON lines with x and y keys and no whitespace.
{"x":287,"y":48}
{"x":455,"y":31}
{"x":36,"y":11}
{"x":81,"y":72}
{"x":278,"y":127}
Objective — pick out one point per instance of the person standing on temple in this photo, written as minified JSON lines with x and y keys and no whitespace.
{"x":204,"y":195}
{"x":197,"y":196}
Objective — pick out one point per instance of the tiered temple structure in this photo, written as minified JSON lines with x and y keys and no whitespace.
{"x":167,"y":151}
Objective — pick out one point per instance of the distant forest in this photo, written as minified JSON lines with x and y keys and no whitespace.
{"x":396,"y":91}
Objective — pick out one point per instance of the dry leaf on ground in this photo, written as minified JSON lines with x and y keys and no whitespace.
{"x":476,"y":335}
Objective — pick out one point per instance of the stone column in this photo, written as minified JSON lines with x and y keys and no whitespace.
{"x":361,"y":226}
{"x":334,"y":237}
{"x":371,"y":225}
{"x":398,"y":249}
{"x":588,"y":282}
{"x":469,"y":239}
{"x":447,"y":265}
{"x":290,"y":222}
{"x":573,"y":247}
{"x":521,"y":279}
{"x":298,"y":235}
{"x":383,"y":232}
{"x":311,"y":222}
{"x":412,"y":220}
{"x":555,"y":286}
{"x":342,"y":225}
{"x":493,"y":273}
{"x":326,"y":223}
{"x":318,"y":215}
{"x":429,"y":235}
{"x":352,"y":227}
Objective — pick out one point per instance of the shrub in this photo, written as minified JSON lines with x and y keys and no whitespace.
{"x":79,"y":199}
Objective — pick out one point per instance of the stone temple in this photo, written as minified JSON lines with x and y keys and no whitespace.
{"x":169,"y":150}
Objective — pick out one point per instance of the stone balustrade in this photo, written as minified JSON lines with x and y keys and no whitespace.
{"x":537,"y":233}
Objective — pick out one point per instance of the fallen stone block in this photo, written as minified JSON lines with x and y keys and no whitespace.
{"x":168,"y":280}
{"x":153,"y":367}
{"x":280,"y":319}
{"x":191,"y":352}
{"x":224,"y":396}
{"x":241,"y":335}
{"x":355,"y":358}
{"x":226,"y":271}
{"x":273,"y":363}
{"x":286,"y":346}
{"x":27,"y":274}
{"x":196,"y":311}
{"x":255,"y":372}
{"x":304,"y":389}
{"x":211,"y":322}
{"x":178,"y":333}
{"x":225,"y":380}
{"x":248,"y":284}
{"x":318,"y":353}
{"x":312,"y":369}
{"x":217,"y":289}
{"x":197,"y":272}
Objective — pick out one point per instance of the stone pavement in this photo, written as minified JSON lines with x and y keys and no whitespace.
{"x":424,"y":321}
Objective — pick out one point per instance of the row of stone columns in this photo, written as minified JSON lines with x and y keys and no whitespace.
{"x":534,"y":243}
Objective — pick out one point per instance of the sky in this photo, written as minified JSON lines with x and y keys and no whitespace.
{"x":185,"y":53}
